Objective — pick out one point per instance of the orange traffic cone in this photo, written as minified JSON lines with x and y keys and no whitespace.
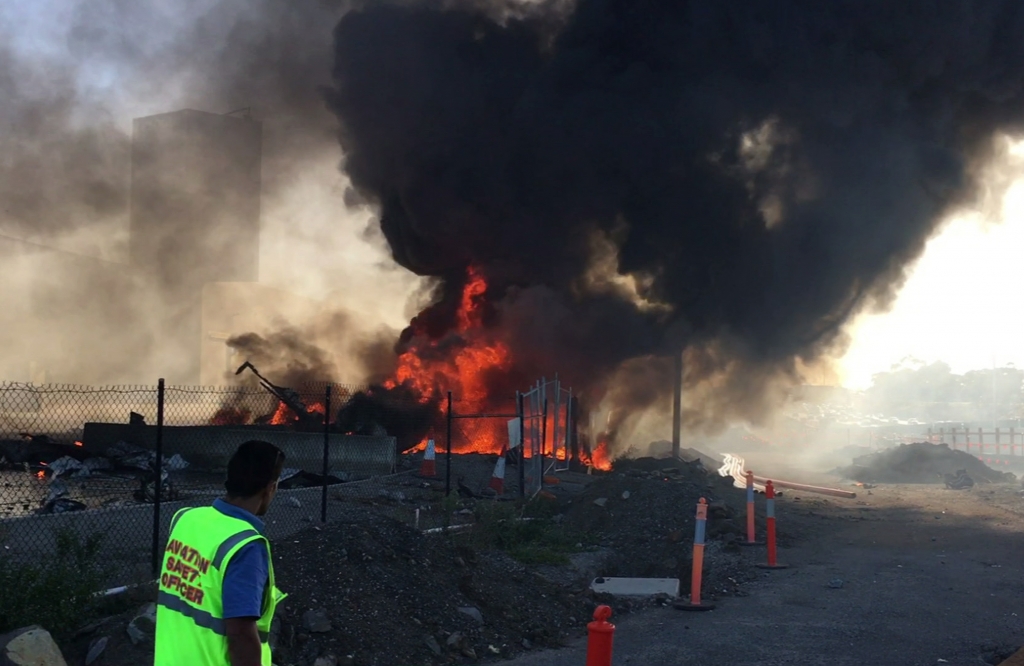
{"x":497,"y":483}
{"x":427,"y":467}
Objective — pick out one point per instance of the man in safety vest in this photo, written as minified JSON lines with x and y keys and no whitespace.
{"x":216,"y":595}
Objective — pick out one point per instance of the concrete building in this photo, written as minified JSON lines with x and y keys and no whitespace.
{"x":188,"y":283}
{"x":194,"y":218}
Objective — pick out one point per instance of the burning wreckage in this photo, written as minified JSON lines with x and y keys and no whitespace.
{"x":112,"y":462}
{"x":116,"y":461}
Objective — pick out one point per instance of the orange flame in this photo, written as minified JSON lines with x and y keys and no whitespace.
{"x":283,"y":415}
{"x":40,"y":474}
{"x":231,"y":416}
{"x":463,"y":371}
{"x":78,"y":443}
{"x":599,"y":458}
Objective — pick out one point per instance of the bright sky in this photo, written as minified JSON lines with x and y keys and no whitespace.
{"x":961,"y":303}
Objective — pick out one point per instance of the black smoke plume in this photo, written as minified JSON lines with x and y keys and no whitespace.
{"x":285,"y":356}
{"x":397,"y":412}
{"x":762,"y":170}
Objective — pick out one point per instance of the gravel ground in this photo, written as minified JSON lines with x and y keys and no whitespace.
{"x":644,"y":514}
{"x":370,"y":590}
{"x":903,"y":575}
{"x":928,"y":576}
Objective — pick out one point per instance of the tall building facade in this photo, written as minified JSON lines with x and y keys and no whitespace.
{"x":194,"y":219}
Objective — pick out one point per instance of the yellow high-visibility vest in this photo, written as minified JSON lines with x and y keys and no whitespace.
{"x":190,"y":626}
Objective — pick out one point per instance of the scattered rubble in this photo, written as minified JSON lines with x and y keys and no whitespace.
{"x":959,"y":481}
{"x":921,"y":462}
{"x":64,"y":465}
{"x":62,"y":505}
{"x":647,"y":526}
{"x":30,"y":646}
{"x":442,"y":589}
{"x":316,"y":621}
{"x":142,"y":628}
{"x":96,"y":648}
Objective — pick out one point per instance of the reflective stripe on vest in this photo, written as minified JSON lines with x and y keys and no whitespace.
{"x":230,"y":543}
{"x":200,"y":617}
{"x":191,"y":628}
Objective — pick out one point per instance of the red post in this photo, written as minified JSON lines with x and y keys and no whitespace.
{"x":600,"y":636}
{"x":769,"y":492}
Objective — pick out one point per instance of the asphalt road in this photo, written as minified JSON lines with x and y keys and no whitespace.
{"x":929,"y":576}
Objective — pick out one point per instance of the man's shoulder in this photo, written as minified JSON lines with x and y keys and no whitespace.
{"x":250,"y":559}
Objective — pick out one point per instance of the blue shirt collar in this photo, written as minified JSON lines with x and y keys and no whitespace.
{"x":238,"y":512}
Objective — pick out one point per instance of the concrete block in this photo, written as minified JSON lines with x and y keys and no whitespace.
{"x":210,"y":447}
{"x":636,"y":587}
{"x":31,"y":646}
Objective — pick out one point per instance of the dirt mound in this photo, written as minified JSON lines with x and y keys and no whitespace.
{"x":393,"y":596}
{"x":921,"y":462}
{"x":644,"y":513}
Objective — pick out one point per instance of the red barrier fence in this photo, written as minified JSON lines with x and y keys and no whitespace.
{"x":979,"y":442}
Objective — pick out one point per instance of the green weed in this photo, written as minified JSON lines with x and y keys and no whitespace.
{"x":526,"y":532}
{"x":58,"y":593}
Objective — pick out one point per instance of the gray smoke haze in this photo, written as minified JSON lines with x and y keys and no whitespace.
{"x":763,"y":170}
{"x":325,"y":348}
{"x":65,"y":152}
{"x":72,"y":77}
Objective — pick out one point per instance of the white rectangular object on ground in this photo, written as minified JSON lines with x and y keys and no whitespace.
{"x":636,"y":587}
{"x":513,"y":433}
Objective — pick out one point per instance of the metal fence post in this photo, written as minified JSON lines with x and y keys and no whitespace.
{"x":448,"y":452}
{"x":522,"y":446}
{"x":159,"y":473}
{"x":677,"y":402}
{"x":327,"y":445}
{"x":543,"y":442}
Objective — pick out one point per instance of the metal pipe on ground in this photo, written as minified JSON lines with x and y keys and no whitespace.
{"x":820,"y":490}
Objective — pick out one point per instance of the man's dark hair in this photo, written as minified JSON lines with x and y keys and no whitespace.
{"x":253,"y":467}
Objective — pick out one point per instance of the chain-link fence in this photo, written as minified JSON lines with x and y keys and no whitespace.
{"x":120,"y":461}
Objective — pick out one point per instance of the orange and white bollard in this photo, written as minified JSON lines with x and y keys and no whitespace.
{"x":600,"y":637}
{"x":428,"y":467}
{"x":697,"y":571}
{"x":751,"y":538}
{"x":769,"y":492}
